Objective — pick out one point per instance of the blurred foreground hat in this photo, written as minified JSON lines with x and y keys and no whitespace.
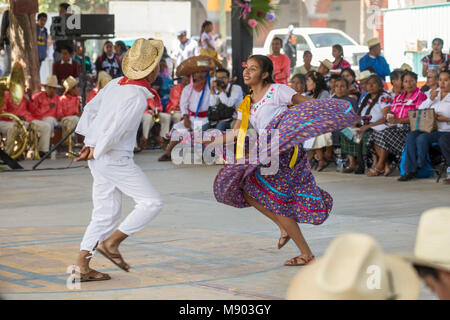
{"x":197,"y":64}
{"x":373,"y":42}
{"x":103,"y":79}
{"x":355,"y":268}
{"x":433,"y":240}
{"x":142,"y":58}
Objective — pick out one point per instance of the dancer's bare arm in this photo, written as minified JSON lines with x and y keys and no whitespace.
{"x":299,"y":98}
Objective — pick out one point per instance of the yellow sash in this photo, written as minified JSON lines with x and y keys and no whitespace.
{"x":244,"y":108}
{"x":294,"y":157}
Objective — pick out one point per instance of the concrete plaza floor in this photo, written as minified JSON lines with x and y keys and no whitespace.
{"x":196,"y":248}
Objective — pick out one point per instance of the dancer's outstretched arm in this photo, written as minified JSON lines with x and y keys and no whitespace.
{"x":299,"y":98}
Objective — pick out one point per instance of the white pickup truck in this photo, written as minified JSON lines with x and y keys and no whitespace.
{"x":319,"y":41}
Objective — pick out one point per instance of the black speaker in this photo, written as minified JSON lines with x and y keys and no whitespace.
{"x":67,"y":25}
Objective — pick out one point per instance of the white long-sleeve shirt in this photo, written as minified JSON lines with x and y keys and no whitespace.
{"x":235,"y":98}
{"x":441,"y":107}
{"x":111,"y":119}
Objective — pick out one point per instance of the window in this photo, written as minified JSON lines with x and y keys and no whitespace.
{"x":301,"y":43}
{"x":322,"y":40}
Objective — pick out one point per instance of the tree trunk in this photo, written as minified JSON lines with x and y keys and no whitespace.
{"x":22,"y":36}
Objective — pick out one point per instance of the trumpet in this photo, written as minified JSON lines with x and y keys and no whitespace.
{"x":155,"y":115}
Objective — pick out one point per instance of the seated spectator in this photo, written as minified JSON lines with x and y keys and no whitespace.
{"x":392,"y":139}
{"x":120,"y":49}
{"x":317,"y":89}
{"x":298,"y":83}
{"x":46,"y":105}
{"x":281,"y":62}
{"x":354,"y":88}
{"x":23,"y":111}
{"x":341,"y":91}
{"x":173,"y":107}
{"x":324,"y":70}
{"x":431,"y":255}
{"x":375,"y":60}
{"x":371,"y":110}
{"x":163,"y":83}
{"x":306,"y":67}
{"x":436,"y":60}
{"x":396,"y":81}
{"x":339,"y":63}
{"x":344,"y":273}
{"x":102,"y":81}
{"x":70,"y":103}
{"x":362,"y":78}
{"x":418,"y":143}
{"x":148,"y":122}
{"x":432,"y":82}
{"x":109,"y":61}
{"x":66,"y":67}
{"x":87,"y":61}
{"x":223,"y":91}
{"x":332,"y":80}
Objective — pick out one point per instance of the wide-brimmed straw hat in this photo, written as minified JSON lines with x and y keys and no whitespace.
{"x":52,"y":81}
{"x":197,"y":64}
{"x":433,"y":240}
{"x":103,"y":79}
{"x":142,"y":58}
{"x":355,"y":268}
{"x":69,"y":83}
{"x":373,"y":42}
{"x":363,"y":75}
{"x":327,"y":63}
{"x":406,"y":67}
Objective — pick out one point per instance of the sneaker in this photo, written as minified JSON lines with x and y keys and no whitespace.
{"x":408,"y":176}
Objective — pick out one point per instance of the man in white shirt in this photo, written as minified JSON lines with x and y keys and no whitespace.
{"x":222,"y":91}
{"x":186,"y":48}
{"x":109,"y":124}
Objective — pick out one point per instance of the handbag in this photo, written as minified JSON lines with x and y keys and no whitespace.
{"x":423,"y":120}
{"x":221,"y":111}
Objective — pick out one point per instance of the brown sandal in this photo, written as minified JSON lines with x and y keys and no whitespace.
{"x":93,"y":276}
{"x":295,"y":261}
{"x":374,"y":172}
{"x":165,"y":157}
{"x":111,"y":256}
{"x":283,"y":240}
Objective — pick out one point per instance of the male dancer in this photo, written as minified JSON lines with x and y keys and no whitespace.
{"x":109,"y":123}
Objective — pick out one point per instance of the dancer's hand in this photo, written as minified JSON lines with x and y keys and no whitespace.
{"x":86,"y":153}
{"x":187,"y":122}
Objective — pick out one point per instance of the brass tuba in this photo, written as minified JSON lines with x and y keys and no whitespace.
{"x":14,"y":83}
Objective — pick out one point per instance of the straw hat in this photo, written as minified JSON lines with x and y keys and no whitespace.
{"x":363,"y":75}
{"x":103,"y":79}
{"x":196,"y":64}
{"x":433,"y":240}
{"x":355,"y":268}
{"x":406,"y":66}
{"x":69,"y":83}
{"x":142,"y":58}
{"x":327,"y":63}
{"x":52,"y":81}
{"x":373,"y":42}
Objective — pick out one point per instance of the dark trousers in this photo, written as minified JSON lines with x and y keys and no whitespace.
{"x":221,"y":125}
{"x":418,"y":144}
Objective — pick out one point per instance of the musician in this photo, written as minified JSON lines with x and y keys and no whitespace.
{"x":46,"y":105}
{"x":154,"y":104}
{"x":70,"y":102}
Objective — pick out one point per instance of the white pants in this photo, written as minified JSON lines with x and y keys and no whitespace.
{"x":147,"y":124}
{"x":43,"y":128}
{"x":114,"y":174}
{"x":176,"y":117}
{"x":53,"y":123}
{"x":73,"y":120}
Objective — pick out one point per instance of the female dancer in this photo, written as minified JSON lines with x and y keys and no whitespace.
{"x":289,"y":196}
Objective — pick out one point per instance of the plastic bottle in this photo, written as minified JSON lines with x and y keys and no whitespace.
{"x":53,"y":154}
{"x":339,"y":161}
